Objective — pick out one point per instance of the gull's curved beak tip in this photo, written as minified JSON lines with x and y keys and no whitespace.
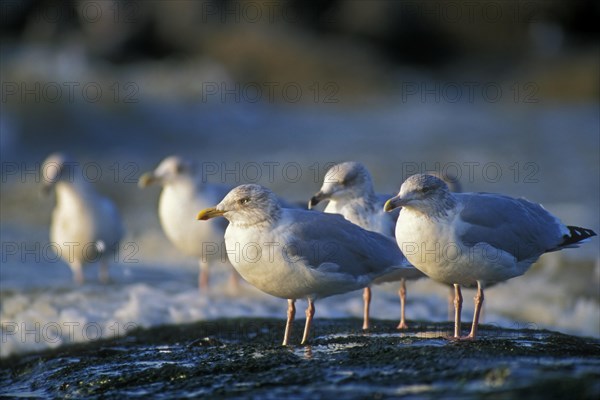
{"x":209,"y":213}
{"x":316,"y":199}
{"x":391,"y":204}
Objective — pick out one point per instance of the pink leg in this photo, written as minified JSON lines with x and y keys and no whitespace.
{"x":310,"y":312}
{"x":203,"y":276}
{"x":478,"y":303}
{"x":76,"y":267}
{"x":234,"y":281}
{"x":458,"y":300}
{"x":367,"y":302}
{"x":291,"y":313}
{"x":402,"y":294}
{"x":450,"y":303}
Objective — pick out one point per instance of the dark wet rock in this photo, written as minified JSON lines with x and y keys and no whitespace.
{"x":243,"y":357}
{"x":205,"y":342}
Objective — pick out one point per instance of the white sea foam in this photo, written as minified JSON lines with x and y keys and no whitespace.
{"x":41,"y":317}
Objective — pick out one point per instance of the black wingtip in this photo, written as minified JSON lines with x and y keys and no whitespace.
{"x":577,"y":235}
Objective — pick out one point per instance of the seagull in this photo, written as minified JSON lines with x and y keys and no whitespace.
{"x":182,"y":195}
{"x":294,"y":254}
{"x":474,"y":239}
{"x":85,"y":226}
{"x":348,"y":187}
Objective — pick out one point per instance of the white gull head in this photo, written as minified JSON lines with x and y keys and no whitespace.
{"x":345,"y":181}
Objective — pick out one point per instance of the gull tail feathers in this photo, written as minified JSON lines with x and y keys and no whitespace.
{"x":576,"y":236}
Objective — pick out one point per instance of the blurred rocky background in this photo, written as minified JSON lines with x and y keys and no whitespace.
{"x":365,"y":46}
{"x":124,"y":82}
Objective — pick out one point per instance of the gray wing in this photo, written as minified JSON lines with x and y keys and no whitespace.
{"x":524,"y":229}
{"x":329,"y":238}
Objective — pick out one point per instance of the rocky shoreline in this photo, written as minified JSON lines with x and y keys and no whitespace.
{"x":244,"y":358}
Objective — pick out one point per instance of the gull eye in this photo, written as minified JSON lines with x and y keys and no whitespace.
{"x":244,"y":200}
{"x":180,"y":168}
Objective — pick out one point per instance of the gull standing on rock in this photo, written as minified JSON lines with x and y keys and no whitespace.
{"x":182,"y":195}
{"x":293,"y":253}
{"x":348,"y":187}
{"x":85,"y":227}
{"x":474,"y":239}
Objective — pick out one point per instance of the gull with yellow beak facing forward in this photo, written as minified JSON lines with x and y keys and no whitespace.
{"x":299,"y":254}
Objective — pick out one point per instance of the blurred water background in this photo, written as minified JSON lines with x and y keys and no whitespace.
{"x":503,"y":94}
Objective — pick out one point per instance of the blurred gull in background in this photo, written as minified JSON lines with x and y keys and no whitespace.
{"x":479,"y":238}
{"x":86,"y":227}
{"x":300,"y":254}
{"x":182,"y":195}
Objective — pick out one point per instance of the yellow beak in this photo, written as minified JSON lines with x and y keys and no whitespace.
{"x":392,"y":203}
{"x":209,"y":213}
{"x":146,"y":179}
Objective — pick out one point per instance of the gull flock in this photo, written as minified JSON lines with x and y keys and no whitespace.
{"x":429,"y":229}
